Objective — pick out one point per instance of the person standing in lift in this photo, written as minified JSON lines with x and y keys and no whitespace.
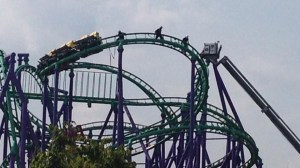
{"x":158,"y":33}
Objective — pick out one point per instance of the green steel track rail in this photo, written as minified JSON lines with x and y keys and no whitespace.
{"x":222,"y":126}
{"x":7,"y":110}
{"x":152,"y":101}
{"x":209,"y":127}
{"x":156,"y":98}
{"x":201,"y":83}
{"x":32,"y":70}
{"x":225,"y":125}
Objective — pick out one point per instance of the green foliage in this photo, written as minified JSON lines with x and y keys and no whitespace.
{"x":67,"y":149}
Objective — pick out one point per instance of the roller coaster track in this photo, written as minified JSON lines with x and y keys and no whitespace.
{"x":222,"y":124}
{"x":201,"y":83}
{"x":214,"y":112}
{"x":209,"y":127}
{"x":13,"y":105}
{"x":8,"y":111}
{"x":100,"y":124}
{"x":154,"y":97}
{"x":148,"y":90}
{"x":31,"y":70}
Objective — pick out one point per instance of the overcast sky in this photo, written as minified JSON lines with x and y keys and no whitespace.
{"x":261,"y":37}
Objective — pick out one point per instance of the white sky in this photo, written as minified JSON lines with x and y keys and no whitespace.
{"x":260,"y":37}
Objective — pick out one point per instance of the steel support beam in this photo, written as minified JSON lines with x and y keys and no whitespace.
{"x":120,"y":130}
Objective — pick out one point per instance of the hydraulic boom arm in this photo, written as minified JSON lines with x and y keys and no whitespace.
{"x":262,"y":103}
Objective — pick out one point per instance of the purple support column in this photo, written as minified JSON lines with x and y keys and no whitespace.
{"x":12,"y":161}
{"x":219,"y":81}
{"x":115,"y":126}
{"x":11,"y":61}
{"x":106,"y":122}
{"x":171,"y":158}
{"x":120,"y":138}
{"x":5,"y":138}
{"x":2,"y":125}
{"x":202,"y":140}
{"x":45,"y":102}
{"x":180,"y":148}
{"x":223,"y":92}
{"x":70,"y":106}
{"x":55,"y":95}
{"x":233,"y":154}
{"x":19,"y":64}
{"x":64,"y":110}
{"x":197,"y":151}
{"x":24,"y":122}
{"x":131,"y":119}
{"x":203,"y":144}
{"x":26,"y":58}
{"x":136,"y":131}
{"x":26,"y":126}
{"x":147,"y":160}
{"x":23,"y":113}
{"x":192,"y":115}
{"x":22,"y":57}
{"x":163,"y":152}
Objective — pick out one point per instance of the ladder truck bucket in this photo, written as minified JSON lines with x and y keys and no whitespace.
{"x":211,"y":52}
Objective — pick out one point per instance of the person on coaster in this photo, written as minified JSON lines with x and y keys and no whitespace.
{"x":121,"y":35}
{"x":158,"y":33}
{"x":185,"y":42}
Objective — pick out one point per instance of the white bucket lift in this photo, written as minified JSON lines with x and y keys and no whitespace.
{"x":211,"y":52}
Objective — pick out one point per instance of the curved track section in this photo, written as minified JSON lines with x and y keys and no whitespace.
{"x":156,"y":98}
{"x":201,"y":83}
{"x":10,"y":115}
{"x":137,"y":137}
{"x":222,"y":125}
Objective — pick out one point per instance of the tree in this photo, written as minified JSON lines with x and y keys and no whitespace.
{"x":67,"y":149}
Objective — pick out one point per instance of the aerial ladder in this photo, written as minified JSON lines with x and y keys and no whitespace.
{"x":211,"y":54}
